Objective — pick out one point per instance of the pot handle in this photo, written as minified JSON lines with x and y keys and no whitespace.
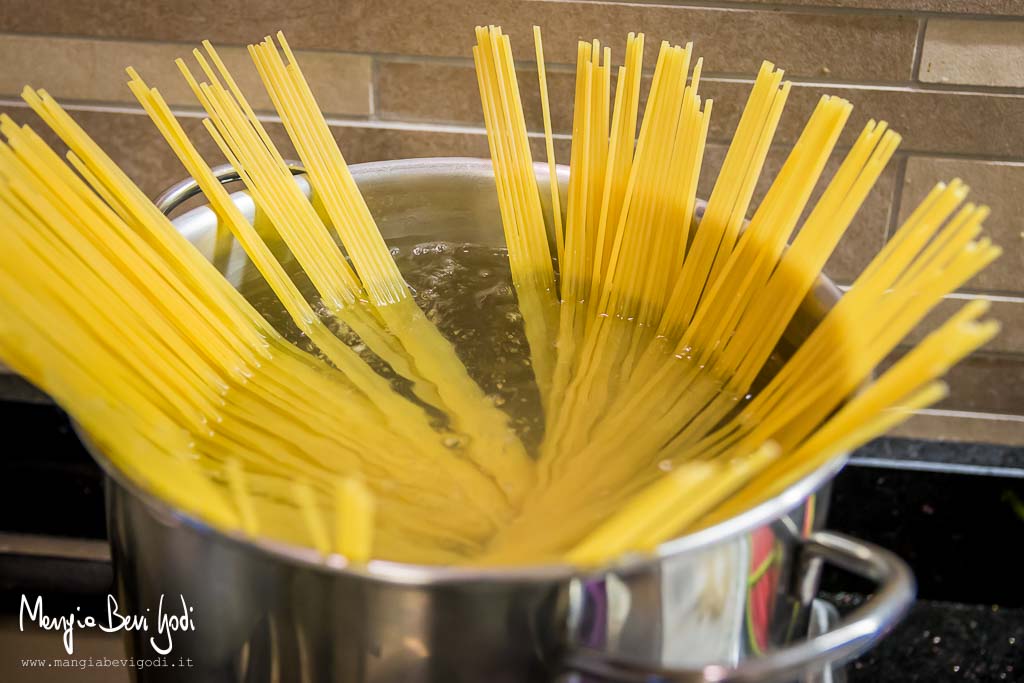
{"x":852,"y":635}
{"x":179,"y":193}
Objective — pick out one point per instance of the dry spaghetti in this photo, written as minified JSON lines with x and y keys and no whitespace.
{"x":652,"y":333}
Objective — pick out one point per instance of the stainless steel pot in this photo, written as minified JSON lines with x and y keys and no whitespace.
{"x":725,"y":604}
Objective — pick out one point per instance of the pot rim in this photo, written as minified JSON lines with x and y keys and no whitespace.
{"x":388,"y":571}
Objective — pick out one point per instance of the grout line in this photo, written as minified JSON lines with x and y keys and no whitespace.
{"x":1015,"y":357}
{"x":332,"y":120}
{"x":908,"y":86}
{"x":1001,"y":298}
{"x":969,"y":295}
{"x":964,"y":156}
{"x":897,"y":199}
{"x":792,"y":8}
{"x":941,"y":467}
{"x":915,"y":69}
{"x":449,"y":126}
{"x":454,"y":126}
{"x":374,"y":89}
{"x":911,"y":152}
{"x":970,"y":415}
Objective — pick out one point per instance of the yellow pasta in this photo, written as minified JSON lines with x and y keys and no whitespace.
{"x":652,"y":334}
{"x":355,"y":510}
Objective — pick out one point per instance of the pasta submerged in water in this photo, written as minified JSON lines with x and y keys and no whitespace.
{"x":652,"y":343}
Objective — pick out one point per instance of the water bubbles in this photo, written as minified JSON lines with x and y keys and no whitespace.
{"x":665,"y":465}
{"x":466,"y":291}
{"x":453,"y":441}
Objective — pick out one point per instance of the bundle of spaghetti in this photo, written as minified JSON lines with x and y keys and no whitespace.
{"x":519,"y":197}
{"x":684,"y":389}
{"x":214,"y":298}
{"x":82,"y":268}
{"x":582,"y":235}
{"x":932,"y":257}
{"x":642,"y":253}
{"x":633,"y":269}
{"x":598,"y":146}
{"x":654,"y":515}
{"x":645,"y":401}
{"x":762,"y":325}
{"x":238,"y":132}
{"x":672,"y":401}
{"x":143,"y":442}
{"x":798,"y":416}
{"x":298,"y":224}
{"x":468,"y":478}
{"x":728,"y":200}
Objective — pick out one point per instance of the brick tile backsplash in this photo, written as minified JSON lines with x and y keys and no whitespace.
{"x":866,"y":234}
{"x":944,"y":426}
{"x":94,"y":70}
{"x":930,"y":121}
{"x":397,"y":77}
{"x":123,"y":135}
{"x":993,"y":183}
{"x":987,"y":384}
{"x":973,"y":52}
{"x":1010,"y":8}
{"x":810,"y":44}
{"x":1009,"y":312}
{"x":983,"y":383}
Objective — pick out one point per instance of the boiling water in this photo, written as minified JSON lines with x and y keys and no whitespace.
{"x":605,"y":450}
{"x":466,"y":291}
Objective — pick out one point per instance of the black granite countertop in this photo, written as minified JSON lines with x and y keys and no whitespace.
{"x":943,"y":641}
